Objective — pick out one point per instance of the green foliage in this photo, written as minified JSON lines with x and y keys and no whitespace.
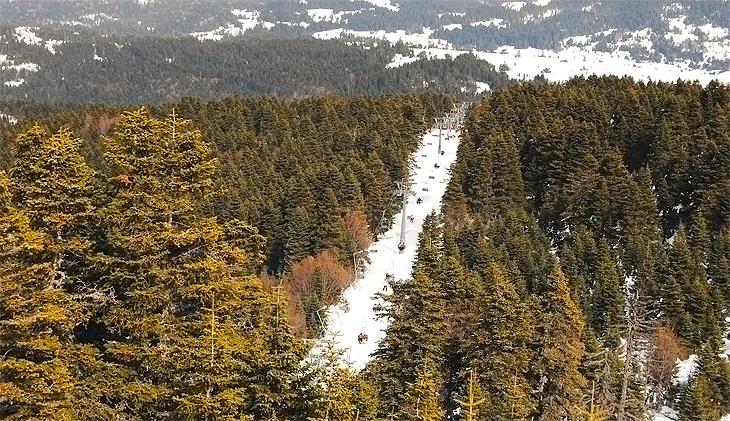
{"x":422,"y":396}
{"x":44,"y":209}
{"x":340,"y":393}
{"x":559,"y":350}
{"x":144,"y":69}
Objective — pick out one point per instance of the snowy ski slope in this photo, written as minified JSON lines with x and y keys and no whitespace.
{"x":427,"y":183}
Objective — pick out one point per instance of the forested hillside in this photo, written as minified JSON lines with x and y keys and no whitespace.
{"x":165,"y":263}
{"x":134,"y":248}
{"x":128,"y":70}
{"x":583,"y":248}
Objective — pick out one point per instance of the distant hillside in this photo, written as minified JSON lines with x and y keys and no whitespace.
{"x":131,"y":51}
{"x":660,"y":31}
{"x":134,"y":70}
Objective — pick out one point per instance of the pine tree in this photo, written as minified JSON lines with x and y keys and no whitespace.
{"x":498,"y":348}
{"x":422,"y":396}
{"x":44,"y":291}
{"x":336,"y":393}
{"x":415,"y":333}
{"x":471,"y":399}
{"x":276,"y":375}
{"x":696,"y":403}
{"x":183,"y":294}
{"x":715,"y":370}
{"x":557,"y":381}
{"x":607,"y":307}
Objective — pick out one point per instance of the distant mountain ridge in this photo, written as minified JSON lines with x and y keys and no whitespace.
{"x":550,"y":39}
{"x":662,"y":30}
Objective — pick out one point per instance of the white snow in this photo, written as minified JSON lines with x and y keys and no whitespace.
{"x":329,"y":15}
{"x":399,"y":60}
{"x":51,"y":45}
{"x":452,"y":26}
{"x":8,"y":64}
{"x":666,"y":414}
{"x":514,"y":5}
{"x":419,"y":39}
{"x":13,"y":83}
{"x":346,"y":323}
{"x":97,"y":18}
{"x":492,"y":22}
{"x":482,"y":87}
{"x":682,"y":31}
{"x":26,"y":35}
{"x":247,"y":20}
{"x":9,"y":118}
{"x":685,"y":368}
{"x":541,"y":3}
{"x":385,"y":4}
{"x":577,"y":57}
{"x":550,"y":12}
{"x":302,"y":24}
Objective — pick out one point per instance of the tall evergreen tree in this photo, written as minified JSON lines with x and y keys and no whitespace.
{"x":557,"y":380}
{"x":45,"y":212}
{"x":498,"y":348}
{"x":415,"y":333}
{"x":183,"y":294}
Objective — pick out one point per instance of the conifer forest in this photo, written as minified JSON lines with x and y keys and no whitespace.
{"x":166,"y":260}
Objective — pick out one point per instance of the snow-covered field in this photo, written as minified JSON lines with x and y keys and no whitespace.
{"x":576,"y":58}
{"x":577,"y":55}
{"x":427,"y":183}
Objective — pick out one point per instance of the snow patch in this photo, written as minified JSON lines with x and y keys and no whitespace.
{"x":384,"y":4}
{"x":685,"y":368}
{"x":452,"y":26}
{"x":247,"y":20}
{"x":26,"y":35}
{"x":7,"y":117}
{"x":51,"y":45}
{"x":541,"y":3}
{"x":331,"y":34}
{"x":418,"y":40}
{"x":399,"y":60}
{"x":492,"y":22}
{"x":319,"y":15}
{"x":514,"y":5}
{"x":550,"y":12}
{"x":97,"y":18}
{"x":14,"y":83}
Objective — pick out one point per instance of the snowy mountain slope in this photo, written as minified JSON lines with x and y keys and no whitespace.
{"x":555,"y":39}
{"x":346,"y":322}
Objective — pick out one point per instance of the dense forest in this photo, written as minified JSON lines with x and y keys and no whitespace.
{"x":128,"y":70}
{"x":584,"y":247}
{"x":485,"y":25}
{"x":165,"y":263}
{"x":135,"y":249}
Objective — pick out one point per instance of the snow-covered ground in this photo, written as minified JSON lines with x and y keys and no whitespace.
{"x":427,"y":183}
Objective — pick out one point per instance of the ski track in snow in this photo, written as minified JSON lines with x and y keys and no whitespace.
{"x":384,"y":256}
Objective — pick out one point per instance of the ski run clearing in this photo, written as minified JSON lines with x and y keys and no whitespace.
{"x":355,"y":315}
